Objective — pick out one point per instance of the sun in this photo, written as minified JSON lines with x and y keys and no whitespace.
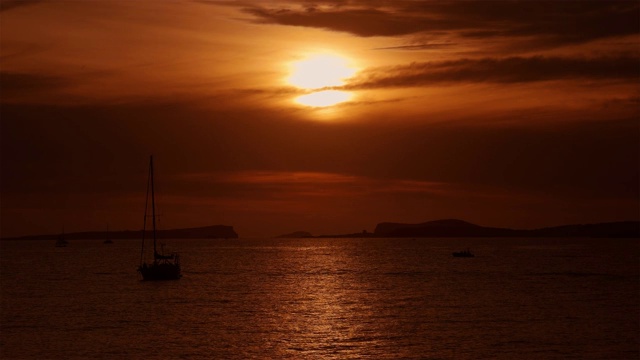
{"x":318,"y":72}
{"x":324,"y":98}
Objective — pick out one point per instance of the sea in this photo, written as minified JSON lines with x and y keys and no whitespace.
{"x":329,"y":298}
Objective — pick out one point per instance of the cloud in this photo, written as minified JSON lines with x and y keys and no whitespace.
{"x":380,"y":171}
{"x":19,"y":84}
{"x":6,"y":5}
{"x":303,"y":184}
{"x":361,"y":22}
{"x":552,"y":22}
{"x":499,"y":70}
{"x":419,"y":46}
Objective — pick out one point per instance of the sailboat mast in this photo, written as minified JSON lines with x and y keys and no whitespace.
{"x":144,"y":223}
{"x":153,"y":207}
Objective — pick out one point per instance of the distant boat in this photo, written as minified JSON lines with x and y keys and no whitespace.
{"x":463,"y":253}
{"x":107,"y":240}
{"x":163,"y":267}
{"x":61,"y":242}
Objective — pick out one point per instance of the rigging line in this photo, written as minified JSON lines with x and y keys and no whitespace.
{"x":153,"y":208}
{"x":144,"y":224}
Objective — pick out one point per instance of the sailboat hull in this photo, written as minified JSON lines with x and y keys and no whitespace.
{"x":160,"y":271}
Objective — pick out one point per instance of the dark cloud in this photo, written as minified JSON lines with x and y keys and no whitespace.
{"x":551,"y":22}
{"x":420,"y":46}
{"x":586,"y":158}
{"x":555,"y":21}
{"x":86,"y":157}
{"x":497,"y":70}
{"x":361,"y":22}
{"x":20,"y":84}
{"x":12,"y":4}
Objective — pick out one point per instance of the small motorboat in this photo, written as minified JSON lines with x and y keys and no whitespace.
{"x":463,"y":253}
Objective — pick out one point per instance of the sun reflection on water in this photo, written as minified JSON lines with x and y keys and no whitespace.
{"x":327,"y":313}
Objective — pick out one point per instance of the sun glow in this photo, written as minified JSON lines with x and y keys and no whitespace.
{"x":318,"y":72}
{"x":324,"y":98}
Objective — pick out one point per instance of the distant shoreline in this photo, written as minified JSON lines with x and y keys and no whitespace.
{"x":460,"y":228}
{"x":448,"y":228}
{"x":454,"y":228}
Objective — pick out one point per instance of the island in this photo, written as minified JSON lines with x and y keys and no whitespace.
{"x":449,"y":228}
{"x":460,"y":228}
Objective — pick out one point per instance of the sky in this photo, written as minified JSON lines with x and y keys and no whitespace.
{"x":319,"y":116}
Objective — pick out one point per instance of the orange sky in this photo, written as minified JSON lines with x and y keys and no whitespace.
{"x":502,"y":113}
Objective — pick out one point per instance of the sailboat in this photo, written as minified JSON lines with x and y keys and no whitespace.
{"x":61,"y":242}
{"x":108,"y":239}
{"x":163,"y":267}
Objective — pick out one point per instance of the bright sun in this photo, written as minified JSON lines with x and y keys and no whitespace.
{"x":324,"y":98}
{"x":320,"y":71}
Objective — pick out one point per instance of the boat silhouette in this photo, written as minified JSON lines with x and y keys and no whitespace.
{"x":108,"y":238}
{"x":463,"y":253}
{"x":163,"y":267}
{"x":61,"y":242}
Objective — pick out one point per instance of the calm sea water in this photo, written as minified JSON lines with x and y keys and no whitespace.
{"x":325,"y":299}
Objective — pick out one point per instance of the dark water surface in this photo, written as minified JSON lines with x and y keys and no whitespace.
{"x":324,"y":299}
